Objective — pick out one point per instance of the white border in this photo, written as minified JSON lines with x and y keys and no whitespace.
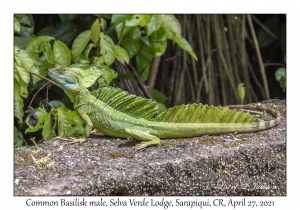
{"x":154,"y":6}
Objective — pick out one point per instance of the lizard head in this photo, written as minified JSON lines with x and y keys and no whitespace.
{"x":68,"y":78}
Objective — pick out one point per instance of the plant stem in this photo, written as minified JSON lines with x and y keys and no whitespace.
{"x":260,"y":61}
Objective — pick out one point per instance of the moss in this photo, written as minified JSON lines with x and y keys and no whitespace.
{"x":209,"y":141}
{"x":117,"y":154}
{"x":170,"y":143}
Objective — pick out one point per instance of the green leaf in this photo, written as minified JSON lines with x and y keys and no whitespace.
{"x":18,"y":103}
{"x":69,"y":122}
{"x":136,"y":20}
{"x":131,"y":42}
{"x":80,"y":43}
{"x":280,"y":76}
{"x":172,"y":23}
{"x":18,"y":138}
{"x":42,"y":115}
{"x":25,"y":63}
{"x":64,"y":32}
{"x":23,"y":19}
{"x":159,"y":96}
{"x":21,"y":41}
{"x":26,"y":31}
{"x":107,"y":49}
{"x":185,"y":45}
{"x":34,"y":46}
{"x":62,"y":54}
{"x":144,"y":61}
{"x":116,"y":19}
{"x":48,"y":132}
{"x":241,"y":92}
{"x":44,"y":65}
{"x":23,"y":85}
{"x":88,"y":49}
{"x":121,"y":55}
{"x":95,"y":31}
{"x":56,"y":104}
{"x":158,"y":43}
{"x":67,"y":17}
{"x":154,"y":24}
{"x":119,"y":28}
{"x":49,"y":54}
{"x":16,"y":25}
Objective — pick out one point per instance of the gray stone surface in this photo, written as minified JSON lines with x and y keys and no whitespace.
{"x":243,"y":164}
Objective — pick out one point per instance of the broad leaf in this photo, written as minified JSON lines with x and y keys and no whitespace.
{"x":48,"y":132}
{"x":172,"y":23}
{"x":56,"y":104}
{"x":23,"y":85}
{"x":88,"y":49}
{"x":69,"y":122}
{"x":121,"y":55}
{"x":119,"y":29}
{"x":44,"y":65}
{"x":80,"y":43}
{"x":185,"y":45}
{"x":154,"y":24}
{"x":21,"y":41}
{"x":24,"y":19}
{"x":18,"y":138}
{"x":49,"y":53}
{"x":159,"y":96}
{"x":158,"y":43}
{"x":26,"y":31}
{"x":144,"y":61}
{"x":42,"y":115}
{"x":140,"y":20}
{"x":16,"y":25}
{"x":24,"y":63}
{"x":18,"y":103}
{"x":107,"y":49}
{"x":95,"y":31}
{"x":34,"y":46}
{"x":62,"y":54}
{"x":116,"y":19}
{"x":64,"y":32}
{"x":131,"y":42}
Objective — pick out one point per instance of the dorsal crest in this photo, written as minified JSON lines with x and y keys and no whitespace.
{"x":198,"y":113}
{"x":125,"y":102}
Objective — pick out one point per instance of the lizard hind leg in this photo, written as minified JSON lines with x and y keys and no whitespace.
{"x":140,"y":133}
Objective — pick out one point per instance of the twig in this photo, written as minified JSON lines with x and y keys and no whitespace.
{"x":37,"y":93}
{"x":49,"y":80}
{"x":153,"y":73}
{"x":260,"y":61}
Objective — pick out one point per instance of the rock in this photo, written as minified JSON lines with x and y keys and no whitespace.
{"x":252,"y":164}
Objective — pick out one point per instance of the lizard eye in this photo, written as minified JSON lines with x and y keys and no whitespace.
{"x":63,"y":70}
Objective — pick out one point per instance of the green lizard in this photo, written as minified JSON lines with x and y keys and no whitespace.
{"x":117,"y":113}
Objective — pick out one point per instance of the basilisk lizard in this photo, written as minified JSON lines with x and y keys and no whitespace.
{"x":117,"y":113}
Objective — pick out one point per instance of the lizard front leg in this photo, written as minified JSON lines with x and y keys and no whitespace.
{"x":87,"y":130}
{"x":142,"y":134}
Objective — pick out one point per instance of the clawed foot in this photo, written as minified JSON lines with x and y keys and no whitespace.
{"x":71,"y":140}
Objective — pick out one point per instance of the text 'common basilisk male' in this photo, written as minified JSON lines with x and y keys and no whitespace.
{"x":117,"y":113}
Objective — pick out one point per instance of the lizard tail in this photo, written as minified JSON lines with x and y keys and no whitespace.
{"x":262,"y":125}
